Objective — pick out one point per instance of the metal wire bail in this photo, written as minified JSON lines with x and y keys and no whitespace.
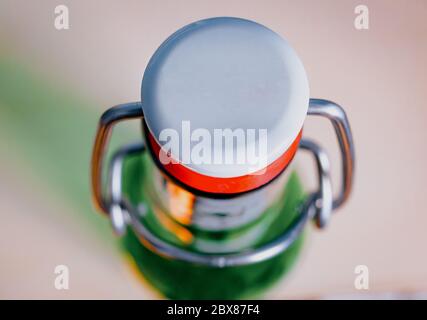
{"x":318,"y":205}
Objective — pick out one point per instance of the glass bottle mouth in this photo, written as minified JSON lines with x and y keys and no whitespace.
{"x":211,"y":215}
{"x":212,"y":186}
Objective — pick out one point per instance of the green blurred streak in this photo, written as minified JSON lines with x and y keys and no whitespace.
{"x":52,"y":131}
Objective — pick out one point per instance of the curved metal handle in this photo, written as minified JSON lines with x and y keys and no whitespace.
{"x":318,"y":205}
{"x":338,"y":117}
{"x":323,"y":198}
{"x":107,"y":121}
{"x":124,"y":213}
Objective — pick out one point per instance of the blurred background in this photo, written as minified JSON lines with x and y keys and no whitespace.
{"x":54,"y":84}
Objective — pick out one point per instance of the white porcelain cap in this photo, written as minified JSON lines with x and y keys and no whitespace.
{"x":226,"y":73}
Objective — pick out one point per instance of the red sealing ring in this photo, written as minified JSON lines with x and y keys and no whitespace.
{"x":229,"y":185}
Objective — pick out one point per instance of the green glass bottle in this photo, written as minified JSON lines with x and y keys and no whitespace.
{"x":209,"y":205}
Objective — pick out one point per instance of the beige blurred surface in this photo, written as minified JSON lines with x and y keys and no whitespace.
{"x":378,"y":75}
